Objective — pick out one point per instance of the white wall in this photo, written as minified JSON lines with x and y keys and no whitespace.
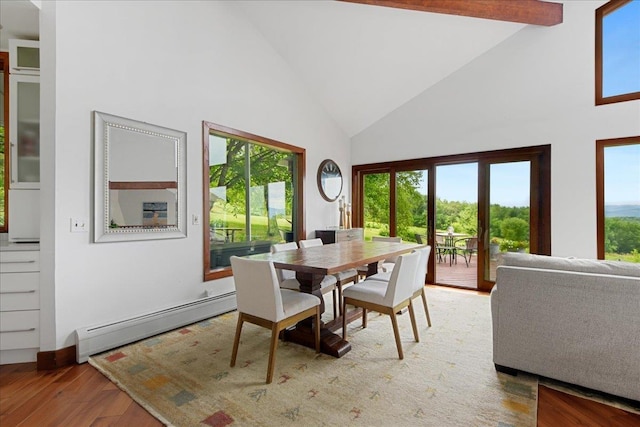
{"x":174,"y":65}
{"x":537,"y":87}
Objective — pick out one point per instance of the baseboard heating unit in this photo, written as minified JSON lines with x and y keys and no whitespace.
{"x":96,"y":339}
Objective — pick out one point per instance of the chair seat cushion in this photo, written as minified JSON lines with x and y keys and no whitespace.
{"x":383,"y":277}
{"x":372,"y":291}
{"x":346,"y":274}
{"x":387,"y":267}
{"x":295,"y":302}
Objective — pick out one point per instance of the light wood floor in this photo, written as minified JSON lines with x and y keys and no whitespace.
{"x":81,"y":396}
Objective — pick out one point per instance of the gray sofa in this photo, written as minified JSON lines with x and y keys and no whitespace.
{"x":574,"y":320}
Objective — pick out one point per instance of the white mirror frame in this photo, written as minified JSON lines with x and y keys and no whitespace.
{"x":103,"y":124}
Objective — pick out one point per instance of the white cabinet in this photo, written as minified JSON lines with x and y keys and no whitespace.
{"x":24,"y":113}
{"x":19,"y":306}
{"x":24,"y":131}
{"x":24,"y":57}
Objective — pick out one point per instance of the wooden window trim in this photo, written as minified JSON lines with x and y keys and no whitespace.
{"x":300,"y":153}
{"x":600,"y":146}
{"x":601,"y":12}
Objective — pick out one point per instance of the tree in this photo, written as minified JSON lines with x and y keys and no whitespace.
{"x":622,"y":235}
{"x":515,"y":229}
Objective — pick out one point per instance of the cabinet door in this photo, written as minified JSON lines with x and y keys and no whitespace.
{"x":24,"y":56}
{"x":25,"y":131}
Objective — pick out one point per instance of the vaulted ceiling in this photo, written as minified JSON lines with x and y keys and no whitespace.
{"x":362,"y":61}
{"x":359,"y":59}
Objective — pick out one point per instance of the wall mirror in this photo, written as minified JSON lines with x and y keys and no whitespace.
{"x":140,"y":180}
{"x":329,"y":180}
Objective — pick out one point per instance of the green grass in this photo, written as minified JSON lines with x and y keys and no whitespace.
{"x":633,"y":257}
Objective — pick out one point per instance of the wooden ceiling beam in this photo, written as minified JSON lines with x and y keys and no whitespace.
{"x":535,"y":12}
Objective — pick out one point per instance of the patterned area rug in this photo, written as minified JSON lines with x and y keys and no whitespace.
{"x":447,"y":379}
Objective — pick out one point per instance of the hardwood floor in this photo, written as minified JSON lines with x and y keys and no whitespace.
{"x":81,"y":396}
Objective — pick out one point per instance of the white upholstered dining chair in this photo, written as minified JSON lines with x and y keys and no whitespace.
{"x":385,"y":265}
{"x":386,"y":297}
{"x":287,"y":278}
{"x":263,"y":303}
{"x":421,"y":272}
{"x":343,"y":278}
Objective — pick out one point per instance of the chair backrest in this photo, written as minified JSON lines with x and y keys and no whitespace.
{"x":280,"y":247}
{"x":386,"y":239}
{"x":310,"y":243}
{"x":421,"y":271}
{"x":472,"y":243}
{"x":420,"y":239}
{"x":402,"y":279}
{"x":257,"y":288}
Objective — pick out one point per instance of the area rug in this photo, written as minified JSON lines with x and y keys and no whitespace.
{"x":183,"y":377}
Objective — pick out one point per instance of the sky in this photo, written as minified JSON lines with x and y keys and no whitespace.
{"x":509,"y":183}
{"x":621,"y":50}
{"x":622,"y":175}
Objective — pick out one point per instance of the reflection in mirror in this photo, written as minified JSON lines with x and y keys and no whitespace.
{"x":329,"y":180}
{"x":140,"y":180}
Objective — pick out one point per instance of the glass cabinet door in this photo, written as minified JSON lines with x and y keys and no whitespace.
{"x":25,"y":131}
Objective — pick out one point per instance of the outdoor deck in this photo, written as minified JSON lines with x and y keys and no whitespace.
{"x":458,"y":274}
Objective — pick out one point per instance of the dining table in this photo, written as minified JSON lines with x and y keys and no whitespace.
{"x":311,"y":265}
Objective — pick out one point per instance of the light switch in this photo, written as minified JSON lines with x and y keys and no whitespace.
{"x":79,"y":225}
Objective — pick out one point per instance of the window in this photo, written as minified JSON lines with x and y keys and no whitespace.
{"x":618,"y":196}
{"x":4,"y":140}
{"x":253,"y":196}
{"x":617,"y":51}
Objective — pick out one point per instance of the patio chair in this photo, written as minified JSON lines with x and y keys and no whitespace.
{"x":443,"y":249}
{"x":468,"y":247}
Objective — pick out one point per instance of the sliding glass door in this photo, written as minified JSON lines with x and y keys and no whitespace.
{"x":469,"y":208}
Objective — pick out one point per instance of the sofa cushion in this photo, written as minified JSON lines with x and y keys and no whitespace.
{"x":618,"y":268}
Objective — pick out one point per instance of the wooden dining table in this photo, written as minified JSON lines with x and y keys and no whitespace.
{"x":313,"y":264}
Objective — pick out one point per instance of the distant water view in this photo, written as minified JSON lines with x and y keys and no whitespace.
{"x":619,"y":211}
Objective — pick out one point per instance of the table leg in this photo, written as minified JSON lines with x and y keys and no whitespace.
{"x":330,"y":343}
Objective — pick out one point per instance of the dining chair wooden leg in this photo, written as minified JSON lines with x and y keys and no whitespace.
{"x":335,"y":304}
{"x":317,"y":331}
{"x":414,"y":324}
{"x":272,"y":352}
{"x":344,"y":320}
{"x":236,"y":340}
{"x":396,"y":333}
{"x":426,"y":308}
{"x":364,"y":318}
{"x":339,"y":286}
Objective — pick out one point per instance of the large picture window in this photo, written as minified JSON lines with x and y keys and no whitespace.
{"x":253,"y":196}
{"x":617,"y":51}
{"x":618,"y":195}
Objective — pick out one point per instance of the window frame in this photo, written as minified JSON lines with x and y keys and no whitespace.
{"x":298,"y":212}
{"x":601,"y":144}
{"x":601,"y":12}
{"x":4,"y":63}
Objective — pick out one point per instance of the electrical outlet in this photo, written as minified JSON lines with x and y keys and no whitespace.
{"x":195,"y":219}
{"x":79,"y":225}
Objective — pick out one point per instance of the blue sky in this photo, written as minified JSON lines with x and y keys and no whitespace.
{"x":621,"y":50}
{"x":509,"y":183}
{"x":622,"y":175}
